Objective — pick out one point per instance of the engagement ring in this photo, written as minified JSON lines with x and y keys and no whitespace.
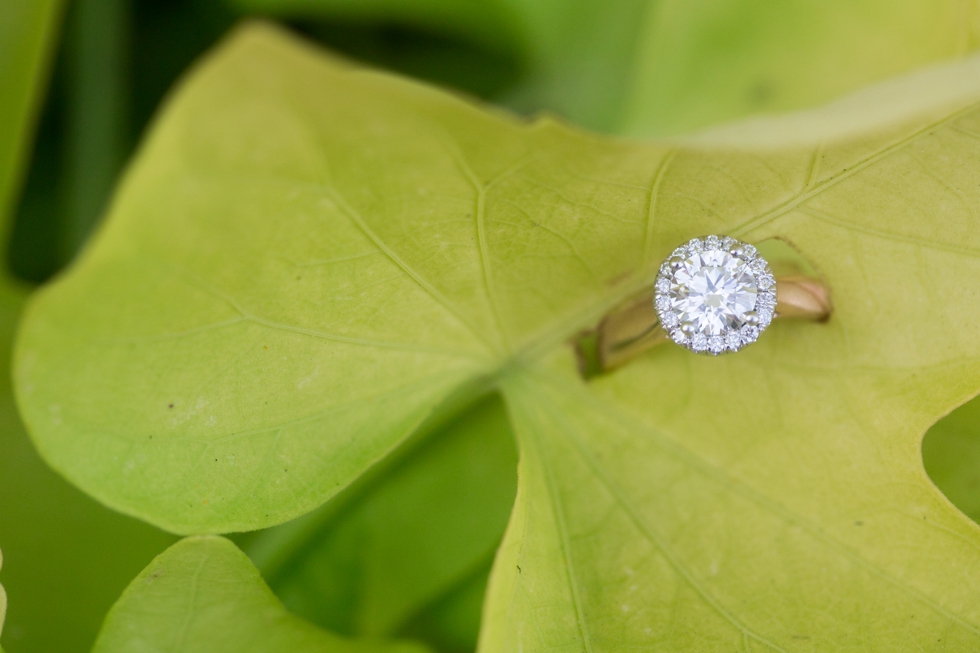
{"x":713,"y":295}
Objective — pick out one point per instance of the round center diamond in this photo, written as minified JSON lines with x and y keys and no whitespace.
{"x":712,"y":290}
{"x":715,"y":295}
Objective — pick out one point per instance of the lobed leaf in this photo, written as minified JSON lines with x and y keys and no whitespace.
{"x":308,"y":263}
{"x":203,"y":594}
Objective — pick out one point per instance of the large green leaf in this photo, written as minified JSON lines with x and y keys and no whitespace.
{"x":203,"y":594}
{"x":409,"y":549}
{"x":27,"y":29}
{"x":658,"y":67}
{"x":309,"y":264}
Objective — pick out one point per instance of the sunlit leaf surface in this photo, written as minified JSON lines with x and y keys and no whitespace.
{"x":308,"y":263}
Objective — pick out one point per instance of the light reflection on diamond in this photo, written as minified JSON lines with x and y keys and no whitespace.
{"x":718,"y":294}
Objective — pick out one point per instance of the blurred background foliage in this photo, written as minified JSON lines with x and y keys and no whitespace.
{"x":407,"y":550}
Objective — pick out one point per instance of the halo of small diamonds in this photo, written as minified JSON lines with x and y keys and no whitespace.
{"x":715,"y":295}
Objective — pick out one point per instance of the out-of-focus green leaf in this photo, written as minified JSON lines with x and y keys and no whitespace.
{"x":448,"y":623}
{"x":116,"y":62}
{"x":67,"y":557}
{"x":377,"y":558}
{"x":309,"y":262}
{"x":27,"y":29}
{"x":203,"y":595}
{"x":577,"y":54}
{"x":701,"y":63}
{"x":951,"y":452}
{"x":659,"y":67}
{"x":494,"y":24}
{"x":444,"y":59}
{"x":97,"y":117}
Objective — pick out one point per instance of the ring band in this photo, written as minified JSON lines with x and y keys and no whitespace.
{"x":713,"y":292}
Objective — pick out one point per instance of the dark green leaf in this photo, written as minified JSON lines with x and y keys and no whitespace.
{"x":412,"y":544}
{"x":951,"y":452}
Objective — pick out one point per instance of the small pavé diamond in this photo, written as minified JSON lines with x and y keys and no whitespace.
{"x":723,"y":300}
{"x":765,"y":317}
{"x":749,"y":334}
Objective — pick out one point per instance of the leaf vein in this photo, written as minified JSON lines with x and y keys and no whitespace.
{"x":799,"y":198}
{"x":654,"y":194}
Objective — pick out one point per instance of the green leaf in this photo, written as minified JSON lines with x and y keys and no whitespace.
{"x":68,"y":557}
{"x":410,"y":549}
{"x":661,"y":67}
{"x":203,"y":594}
{"x":310,"y":262}
{"x":27,"y":30}
{"x":951,"y":453}
{"x":452,"y":622}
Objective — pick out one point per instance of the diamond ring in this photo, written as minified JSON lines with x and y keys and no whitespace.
{"x":712,"y":295}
